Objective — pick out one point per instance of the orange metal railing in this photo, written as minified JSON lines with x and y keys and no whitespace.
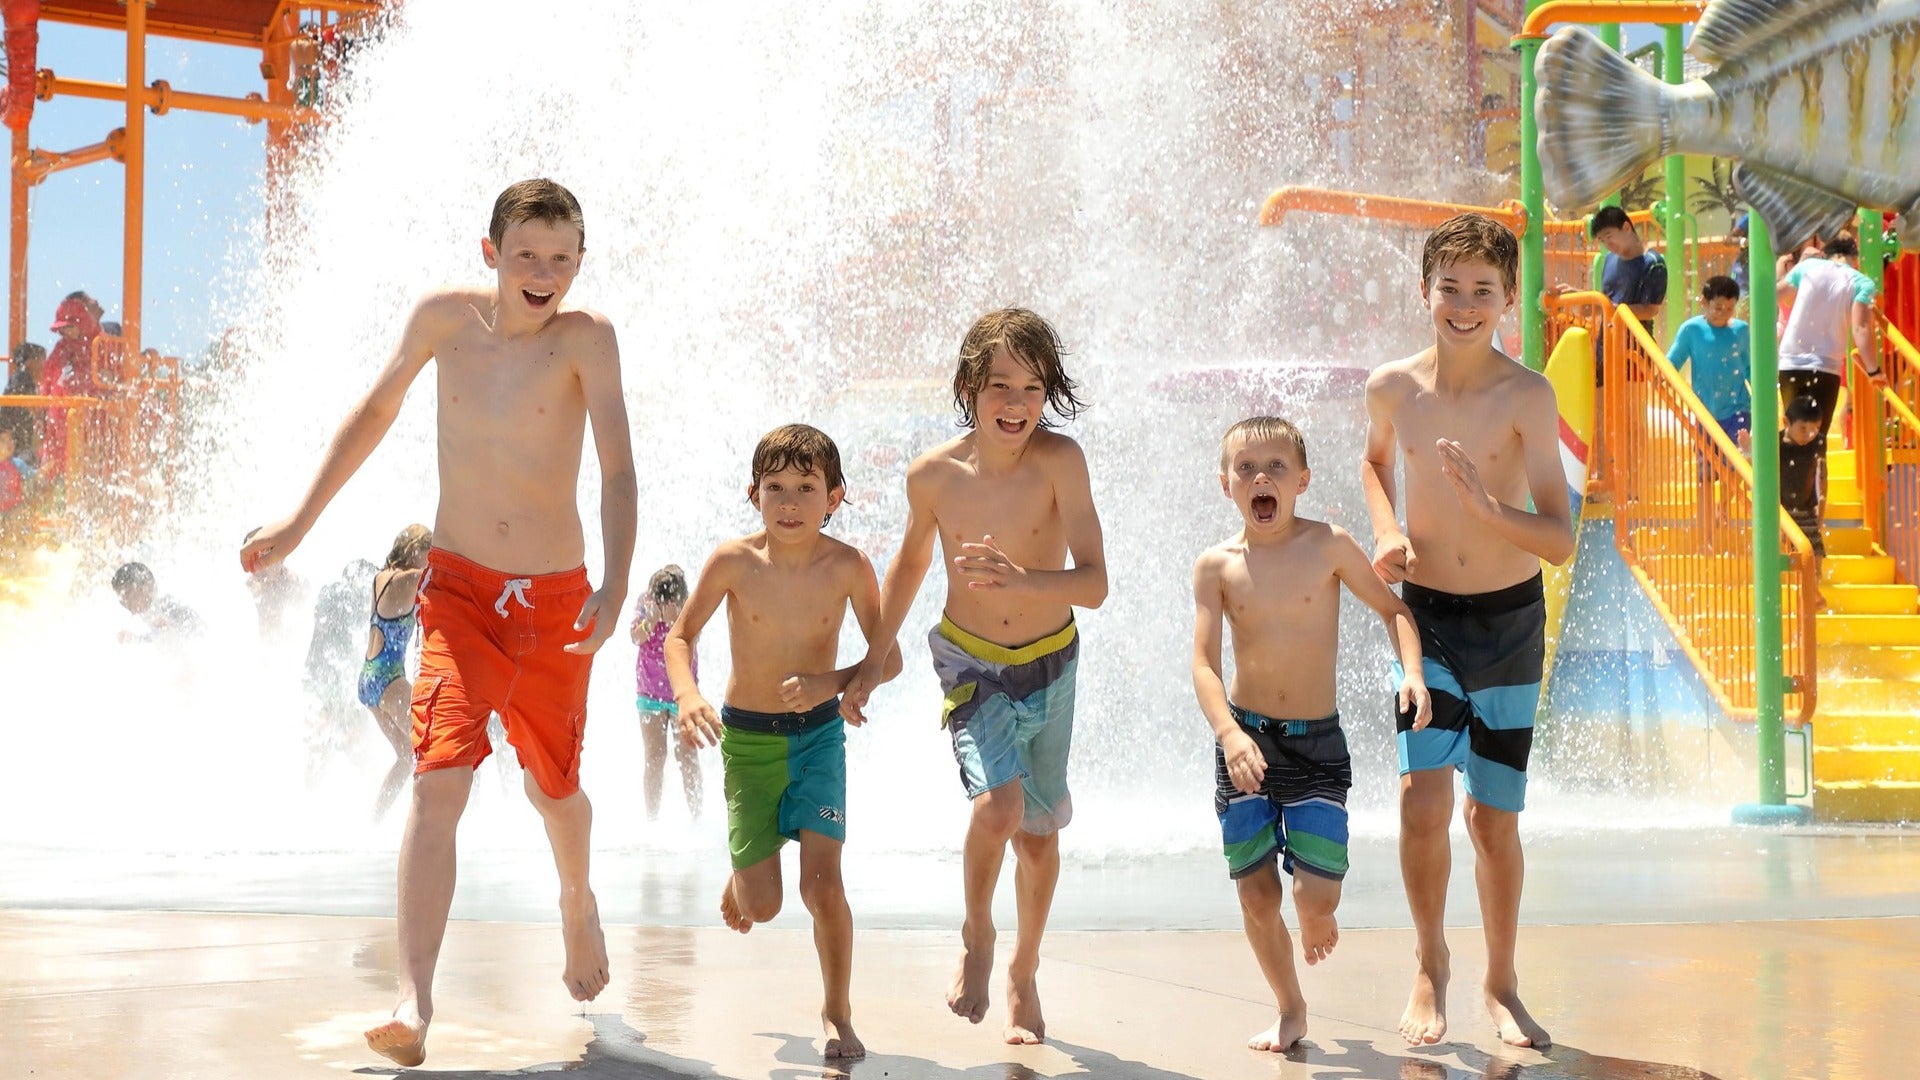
{"x":1381,"y":208}
{"x":1683,"y":522}
{"x":1886,"y":448}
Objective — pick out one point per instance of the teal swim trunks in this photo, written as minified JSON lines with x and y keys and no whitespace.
{"x":1010,"y":713}
{"x":784,"y":772}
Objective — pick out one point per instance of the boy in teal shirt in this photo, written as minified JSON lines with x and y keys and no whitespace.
{"x":1719,"y":347}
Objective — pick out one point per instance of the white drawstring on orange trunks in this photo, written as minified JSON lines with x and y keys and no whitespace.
{"x":516,"y":589}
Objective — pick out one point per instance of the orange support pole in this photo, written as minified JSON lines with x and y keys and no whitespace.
{"x":136,"y":158}
{"x":1653,"y":12}
{"x":17,"y":245}
{"x":163,"y":98}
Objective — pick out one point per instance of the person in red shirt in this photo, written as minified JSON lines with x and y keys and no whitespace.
{"x":69,"y":372}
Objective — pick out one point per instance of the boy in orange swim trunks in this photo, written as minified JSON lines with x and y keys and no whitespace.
{"x":508,"y":617}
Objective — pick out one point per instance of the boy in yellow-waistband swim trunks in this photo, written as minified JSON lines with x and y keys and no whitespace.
{"x":1281,"y":767}
{"x":1009,"y":501}
{"x":782,"y":741}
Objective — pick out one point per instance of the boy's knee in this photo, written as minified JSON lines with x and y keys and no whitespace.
{"x":1487,"y":826}
{"x":1000,"y":811}
{"x":1426,"y":807}
{"x":1315,"y":895}
{"x":1260,"y":892}
{"x":759,"y":904}
{"x":1032,"y":846}
{"x":822,"y":892}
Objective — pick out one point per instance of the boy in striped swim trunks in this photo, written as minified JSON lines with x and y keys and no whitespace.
{"x":1008,"y":500}
{"x":1281,"y":769}
{"x":1478,"y":436}
{"x":782,"y":741}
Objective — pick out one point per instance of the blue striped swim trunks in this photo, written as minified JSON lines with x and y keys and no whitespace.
{"x":1300,"y":813}
{"x":1483,"y":659}
{"x":1010,"y":714}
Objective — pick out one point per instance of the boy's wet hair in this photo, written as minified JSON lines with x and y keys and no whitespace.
{"x":1802,"y":409}
{"x":1032,"y":342}
{"x":668,"y":585}
{"x":130,"y":576}
{"x":1720,"y":287}
{"x":1841,"y":247}
{"x":413,"y":542}
{"x":27,"y":352}
{"x":1608,"y":217}
{"x":800,"y":447}
{"x":1469,"y":236}
{"x":535,"y":200}
{"x":1261,"y":429}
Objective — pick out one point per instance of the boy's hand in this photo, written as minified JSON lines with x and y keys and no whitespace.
{"x":1393,"y":558}
{"x":802,"y":692}
{"x":1246,"y":766}
{"x":594,"y":614}
{"x":1464,"y":475}
{"x":270,"y":544}
{"x":1413,"y":694}
{"x":988,"y":567}
{"x":699,"y":724}
{"x":853,"y":698}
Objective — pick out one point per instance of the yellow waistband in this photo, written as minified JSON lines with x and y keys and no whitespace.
{"x":999,"y":654}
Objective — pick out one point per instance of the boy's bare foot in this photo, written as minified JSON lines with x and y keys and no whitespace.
{"x":730,"y":910}
{"x":1318,"y":935}
{"x":1425,"y":1021}
{"x":402,"y":1039}
{"x":842,"y":1043}
{"x":1512,"y":1021}
{"x":586,"y":970}
{"x":1025,"y":1025}
{"x":968,"y":995}
{"x":1288,"y":1029}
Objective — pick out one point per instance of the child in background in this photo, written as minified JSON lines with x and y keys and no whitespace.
{"x":653,"y":616}
{"x":1719,"y":347}
{"x":1803,"y":477}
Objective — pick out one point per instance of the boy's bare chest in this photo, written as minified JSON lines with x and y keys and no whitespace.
{"x":1280,"y":596}
{"x":482,"y":381}
{"x":776,"y":600}
{"x":1483,"y":426}
{"x":1017,"y":508}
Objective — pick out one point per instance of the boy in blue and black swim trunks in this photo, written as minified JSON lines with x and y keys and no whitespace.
{"x":1478,"y":435}
{"x":782,"y":741}
{"x":1281,"y":768}
{"x":1009,"y":501}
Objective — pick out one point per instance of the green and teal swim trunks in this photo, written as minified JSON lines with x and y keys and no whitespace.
{"x":784,"y":772}
{"x":1300,"y":813}
{"x":1010,"y":714}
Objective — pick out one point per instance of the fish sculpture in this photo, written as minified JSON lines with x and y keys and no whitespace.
{"x":1815,"y":98}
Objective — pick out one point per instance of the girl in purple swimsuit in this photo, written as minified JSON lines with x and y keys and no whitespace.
{"x":653,"y":616}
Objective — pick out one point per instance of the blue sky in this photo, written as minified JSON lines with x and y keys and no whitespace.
{"x":203,"y":186}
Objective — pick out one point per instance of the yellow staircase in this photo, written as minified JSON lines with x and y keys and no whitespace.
{"x":1866,"y":732}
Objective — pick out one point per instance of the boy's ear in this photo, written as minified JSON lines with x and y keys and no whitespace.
{"x":753,"y":495}
{"x":835,"y":498}
{"x":489,"y":253}
{"x":1306,"y":477}
{"x":1224,"y":488}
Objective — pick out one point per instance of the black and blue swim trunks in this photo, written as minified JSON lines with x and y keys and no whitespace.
{"x":1483,"y":660}
{"x":1300,"y":814}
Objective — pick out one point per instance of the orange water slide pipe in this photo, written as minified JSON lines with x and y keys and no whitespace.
{"x":1653,"y":12}
{"x":162,"y":97}
{"x":1417,"y":212}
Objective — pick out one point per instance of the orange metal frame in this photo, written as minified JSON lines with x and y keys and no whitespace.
{"x":1886,"y":447}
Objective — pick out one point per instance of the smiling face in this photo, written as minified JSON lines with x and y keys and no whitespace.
{"x":1008,"y":407}
{"x":1264,"y":476}
{"x":535,"y":262}
{"x":1467,"y":299}
{"x":794,"y":502}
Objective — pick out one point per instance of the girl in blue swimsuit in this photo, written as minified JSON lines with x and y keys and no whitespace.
{"x":384,"y":688}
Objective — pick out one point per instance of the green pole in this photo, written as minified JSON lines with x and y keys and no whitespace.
{"x":1873,"y":247}
{"x":1676,"y":218}
{"x":1768,"y":563}
{"x":1533,"y":243}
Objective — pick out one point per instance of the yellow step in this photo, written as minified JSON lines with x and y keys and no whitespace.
{"x":1888,"y":662}
{"x":1869,"y":704}
{"x":1840,"y":730}
{"x":1840,"y":466}
{"x":1867,"y":762}
{"x":1842,"y":508}
{"x":1857,"y":569}
{"x":1866,"y":800}
{"x":1850,"y":541}
{"x":1867,"y":630}
{"x":1872,"y":599}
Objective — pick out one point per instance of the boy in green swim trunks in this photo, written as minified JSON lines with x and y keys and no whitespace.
{"x":782,"y":743}
{"x":1009,"y":500}
{"x":1281,"y":768}
{"x":1478,"y":435}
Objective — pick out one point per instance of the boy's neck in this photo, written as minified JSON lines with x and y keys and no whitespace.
{"x":1282,"y":531}
{"x":1455,"y":366}
{"x":1000,"y":458}
{"x":785,"y":553}
{"x":505,"y":326}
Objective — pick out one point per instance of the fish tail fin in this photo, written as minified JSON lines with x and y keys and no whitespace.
{"x":1601,"y":119}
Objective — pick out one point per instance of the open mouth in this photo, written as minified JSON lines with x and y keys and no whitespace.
{"x":1459,"y":329}
{"x":788,"y":523}
{"x":1265,"y":508}
{"x":1012,"y":427}
{"x":536,"y":300}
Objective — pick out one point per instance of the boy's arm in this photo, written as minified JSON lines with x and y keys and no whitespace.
{"x":599,"y":366}
{"x":909,"y":569}
{"x":1350,"y":565}
{"x":1084,"y":584}
{"x":803,"y":691}
{"x":1246,"y":766}
{"x":1862,"y":318}
{"x":698,"y":721}
{"x":366,"y":424}
{"x":1548,"y":530}
{"x":1393,"y":556}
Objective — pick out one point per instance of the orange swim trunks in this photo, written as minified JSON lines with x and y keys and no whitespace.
{"x":492,"y":643}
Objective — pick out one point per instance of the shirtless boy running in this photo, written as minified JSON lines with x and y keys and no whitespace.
{"x":1281,"y":767}
{"x":1478,"y":436}
{"x":1008,"y":501}
{"x":509,"y":621}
